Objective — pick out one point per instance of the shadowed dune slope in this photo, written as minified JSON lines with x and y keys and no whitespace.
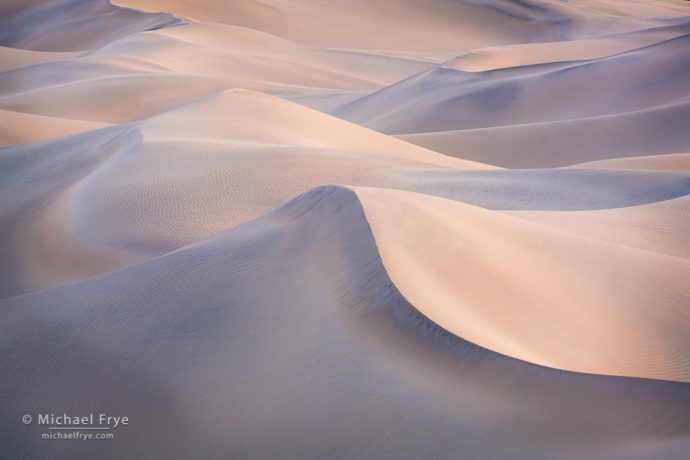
{"x":654,"y":131}
{"x":444,"y":98}
{"x":73,"y":25}
{"x":669,"y":162}
{"x":156,"y":185}
{"x":145,"y":192}
{"x":417,"y":25}
{"x":424,"y":24}
{"x":599,"y":46}
{"x":160,"y":184}
{"x":275,"y":335}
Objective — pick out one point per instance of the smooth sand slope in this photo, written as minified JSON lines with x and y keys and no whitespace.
{"x":604,"y":45}
{"x":658,"y":227}
{"x":347,"y":229}
{"x":669,"y":162}
{"x":504,"y":284}
{"x":194,"y":171}
{"x":284,"y":337}
{"x":648,"y":132}
{"x":410,"y":26}
{"x":72,"y":25}
{"x":242,"y":141}
{"x":20,"y":128}
{"x":445,"y":98}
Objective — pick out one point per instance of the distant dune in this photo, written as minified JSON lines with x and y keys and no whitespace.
{"x":347,"y":229}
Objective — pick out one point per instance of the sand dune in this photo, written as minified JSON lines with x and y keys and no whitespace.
{"x":12,"y":58}
{"x":653,"y":131}
{"x":73,"y":25}
{"x":82,"y":94}
{"x":19,"y":128}
{"x":526,"y":54}
{"x":669,"y":162}
{"x":347,"y":24}
{"x":600,"y":316}
{"x":246,"y":116}
{"x":274,"y":335}
{"x":658,"y":227}
{"x":261,"y":57}
{"x":347,"y":229}
{"x":37,"y":240}
{"x":195,"y":195}
{"x":99,"y":217}
{"x":518,"y":95}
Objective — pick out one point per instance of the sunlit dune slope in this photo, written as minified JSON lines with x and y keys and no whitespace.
{"x":18,"y":128}
{"x":527,"y":291}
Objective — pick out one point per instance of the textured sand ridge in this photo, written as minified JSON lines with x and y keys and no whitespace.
{"x":347,"y":229}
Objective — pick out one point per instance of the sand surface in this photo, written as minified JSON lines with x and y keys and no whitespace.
{"x":347,"y":229}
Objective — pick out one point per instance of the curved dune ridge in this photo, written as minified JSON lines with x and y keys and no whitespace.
{"x":504,"y":284}
{"x":347,"y":229}
{"x":227,"y":339}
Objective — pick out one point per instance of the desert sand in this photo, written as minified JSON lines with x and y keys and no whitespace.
{"x":347,"y":229}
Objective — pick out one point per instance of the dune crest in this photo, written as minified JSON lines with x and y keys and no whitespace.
{"x":536,"y":294}
{"x":248,"y":116}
